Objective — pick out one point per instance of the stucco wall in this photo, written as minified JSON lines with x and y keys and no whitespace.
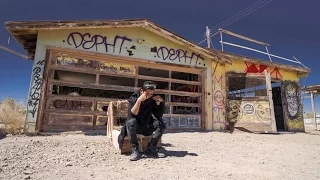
{"x":294,"y":121}
{"x":128,"y":42}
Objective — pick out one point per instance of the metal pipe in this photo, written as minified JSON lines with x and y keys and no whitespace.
{"x":259,"y":52}
{"x":268,"y":53}
{"x":221,"y":40}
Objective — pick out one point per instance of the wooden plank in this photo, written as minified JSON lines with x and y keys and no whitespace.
{"x":182,"y":104}
{"x":168,"y":80}
{"x":120,"y":88}
{"x":269,"y":93}
{"x":69,"y":120}
{"x":40,"y":115}
{"x":73,"y":112}
{"x":97,"y":78}
{"x":183,"y":115}
{"x":151,"y":78}
{"x":61,"y":128}
{"x":95,"y":116}
{"x":257,"y":98}
{"x":204,"y":100}
{"x":84,"y":98}
{"x":170,"y":88}
{"x":121,"y":59}
{"x":243,"y":37}
{"x":314,"y":112}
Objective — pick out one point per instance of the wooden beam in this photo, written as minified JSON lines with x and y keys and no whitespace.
{"x":124,"y":60}
{"x":120,"y":88}
{"x":269,"y":94}
{"x":79,"y":98}
{"x":151,"y":78}
{"x":243,"y":37}
{"x":182,"y":104}
{"x":314,"y":112}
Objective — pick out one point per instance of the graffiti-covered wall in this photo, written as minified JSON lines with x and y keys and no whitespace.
{"x":250,"y":115}
{"x":276,"y":73}
{"x":293,"y":110}
{"x":219,"y":97}
{"x":132,"y":42}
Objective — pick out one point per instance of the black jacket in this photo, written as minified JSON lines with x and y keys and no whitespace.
{"x":147,"y":108}
{"x":156,"y":110}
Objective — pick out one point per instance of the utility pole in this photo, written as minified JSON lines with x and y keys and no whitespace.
{"x":208,"y":36}
{"x":14,"y":52}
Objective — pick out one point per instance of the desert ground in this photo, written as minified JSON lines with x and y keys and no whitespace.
{"x":190,"y":155}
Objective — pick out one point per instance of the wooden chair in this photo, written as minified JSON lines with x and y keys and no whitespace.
{"x":117,"y":115}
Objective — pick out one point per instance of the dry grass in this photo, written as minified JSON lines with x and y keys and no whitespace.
{"x":12,"y":115}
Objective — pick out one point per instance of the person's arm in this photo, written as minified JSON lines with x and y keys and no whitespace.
{"x":136,"y":107}
{"x":158,"y":110}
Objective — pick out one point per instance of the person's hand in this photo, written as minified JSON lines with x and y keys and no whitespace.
{"x":143,"y":97}
{"x":158,"y":99}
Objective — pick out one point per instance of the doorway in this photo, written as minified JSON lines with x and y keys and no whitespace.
{"x":278,"y":108}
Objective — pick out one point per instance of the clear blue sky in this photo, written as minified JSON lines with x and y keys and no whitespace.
{"x":291,"y":27}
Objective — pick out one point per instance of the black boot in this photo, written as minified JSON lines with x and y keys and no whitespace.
{"x":120,"y":141}
{"x":152,"y":149}
{"x":135,"y":155}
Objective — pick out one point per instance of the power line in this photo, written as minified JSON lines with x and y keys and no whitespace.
{"x":252,"y":8}
{"x":239,"y":13}
{"x":244,"y":15}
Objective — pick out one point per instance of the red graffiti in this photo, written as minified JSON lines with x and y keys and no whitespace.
{"x":254,"y":68}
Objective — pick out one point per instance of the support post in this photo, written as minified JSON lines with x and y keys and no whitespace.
{"x":314,"y":112}
{"x":268,"y":53}
{"x":269,"y":94}
{"x":208,"y":36}
{"x":221,"y":39}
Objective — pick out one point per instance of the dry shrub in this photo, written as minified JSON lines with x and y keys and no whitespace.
{"x":12,"y":115}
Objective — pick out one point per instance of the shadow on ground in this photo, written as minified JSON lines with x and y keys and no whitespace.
{"x":2,"y":134}
{"x":177,"y":153}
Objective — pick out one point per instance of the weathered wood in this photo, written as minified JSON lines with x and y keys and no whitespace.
{"x":120,"y":88}
{"x":183,"y":104}
{"x":69,"y":120}
{"x":126,"y":147}
{"x":204,"y":100}
{"x":84,"y":98}
{"x":125,"y":60}
{"x":151,"y":78}
{"x":73,"y":112}
{"x":271,"y":106}
{"x":39,"y":120}
{"x":314,"y":112}
{"x":243,"y":37}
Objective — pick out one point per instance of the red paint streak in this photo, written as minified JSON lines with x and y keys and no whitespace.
{"x":254,"y":68}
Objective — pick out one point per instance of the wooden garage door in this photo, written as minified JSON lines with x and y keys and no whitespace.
{"x":79,"y":88}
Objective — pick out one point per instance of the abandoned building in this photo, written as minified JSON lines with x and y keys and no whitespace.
{"x":80,"y":66}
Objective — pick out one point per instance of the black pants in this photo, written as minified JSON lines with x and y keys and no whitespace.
{"x":132,"y":128}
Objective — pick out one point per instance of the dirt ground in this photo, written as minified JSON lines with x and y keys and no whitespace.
{"x":213,"y":155}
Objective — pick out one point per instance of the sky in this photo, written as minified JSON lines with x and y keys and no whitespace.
{"x":290,"y":27}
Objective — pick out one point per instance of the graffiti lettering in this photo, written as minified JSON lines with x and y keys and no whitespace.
{"x":88,"y":41}
{"x":185,"y":99}
{"x":182,"y":121}
{"x":177,"y":55}
{"x":35,"y":89}
{"x":65,"y":104}
{"x":217,"y":81}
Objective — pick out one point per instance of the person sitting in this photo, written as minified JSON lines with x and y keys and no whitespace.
{"x":144,"y":117}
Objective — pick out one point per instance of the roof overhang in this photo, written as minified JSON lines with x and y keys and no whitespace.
{"x":25,"y":32}
{"x":302,"y":71}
